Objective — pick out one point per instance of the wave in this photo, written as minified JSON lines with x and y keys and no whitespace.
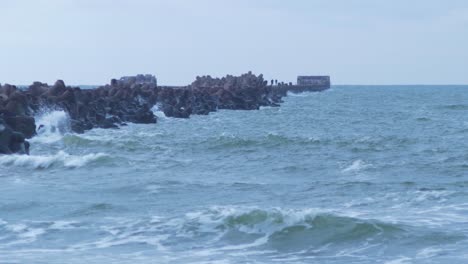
{"x":272,"y":140}
{"x":303,"y":94}
{"x":357,"y":165}
{"x":423,"y":119}
{"x":19,"y":234}
{"x":455,"y":107}
{"x":156,"y":109}
{"x":51,"y":126}
{"x":94,"y":209}
{"x":285,"y":229}
{"x":12,"y":234}
{"x":101,"y":138}
{"x":224,"y":231}
{"x":269,"y":140}
{"x":219,"y":228}
{"x":77,"y":140}
{"x":374,"y":143}
{"x":46,"y":161}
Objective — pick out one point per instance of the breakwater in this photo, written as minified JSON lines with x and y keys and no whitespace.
{"x":129,"y":100}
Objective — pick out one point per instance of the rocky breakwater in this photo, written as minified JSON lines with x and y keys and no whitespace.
{"x":129,"y":99}
{"x":15,"y":123}
{"x":207,"y":94}
{"x":106,"y":107}
{"x":103,"y":107}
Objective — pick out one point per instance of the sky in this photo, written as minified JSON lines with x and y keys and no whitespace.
{"x":353,"y":41}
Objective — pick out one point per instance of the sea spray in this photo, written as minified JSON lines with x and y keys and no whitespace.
{"x":157,"y":110}
{"x":51,"y":125}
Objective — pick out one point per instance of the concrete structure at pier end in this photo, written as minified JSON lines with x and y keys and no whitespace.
{"x":316,"y":81}
{"x":311,"y":84}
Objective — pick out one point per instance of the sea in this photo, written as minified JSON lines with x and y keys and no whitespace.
{"x":354,"y":174}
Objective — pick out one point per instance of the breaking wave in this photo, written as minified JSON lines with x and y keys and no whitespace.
{"x":218,"y":231}
{"x":303,"y":94}
{"x":158,"y":112}
{"x":357,"y":165}
{"x":51,"y":126}
{"x":284,"y":230}
{"x":46,"y":161}
{"x":232,"y":228}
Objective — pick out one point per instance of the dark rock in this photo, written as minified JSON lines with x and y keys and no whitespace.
{"x":24,"y":124}
{"x":58,"y":88}
{"x":106,"y":106}
{"x":207,"y":94}
{"x":11,"y":141}
{"x":128,"y":99}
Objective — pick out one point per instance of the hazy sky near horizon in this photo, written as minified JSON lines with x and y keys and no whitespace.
{"x":354,"y":41}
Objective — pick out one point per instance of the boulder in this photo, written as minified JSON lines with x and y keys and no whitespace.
{"x":128,"y":99}
{"x":12,"y":141}
{"x":23,"y":124}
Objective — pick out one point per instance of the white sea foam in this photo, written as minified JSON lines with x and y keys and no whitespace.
{"x":154,"y":188}
{"x":63,"y":225}
{"x":357,"y":165}
{"x":217,"y":226}
{"x":305,"y":94}
{"x":429,"y":252}
{"x":29,"y":232}
{"x":23,"y":233}
{"x":400,"y":260}
{"x":216,"y":221}
{"x":158,"y":111}
{"x":51,"y":126}
{"x":46,"y":161}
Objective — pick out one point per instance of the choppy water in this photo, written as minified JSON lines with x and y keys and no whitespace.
{"x":356,"y":174}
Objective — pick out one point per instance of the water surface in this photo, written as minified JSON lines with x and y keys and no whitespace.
{"x":356,"y":174}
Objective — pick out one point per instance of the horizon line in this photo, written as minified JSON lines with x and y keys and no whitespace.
{"x":338,"y":84}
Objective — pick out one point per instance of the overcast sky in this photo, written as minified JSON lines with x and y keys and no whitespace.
{"x":354,"y":41}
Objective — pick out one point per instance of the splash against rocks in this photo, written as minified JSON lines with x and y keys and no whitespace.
{"x":130,"y":99}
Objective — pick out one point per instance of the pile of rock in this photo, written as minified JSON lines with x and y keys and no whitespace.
{"x":129,"y":99}
{"x":207,"y":94}
{"x":15,"y":124}
{"x":104,"y":107}
{"x":12,"y":141}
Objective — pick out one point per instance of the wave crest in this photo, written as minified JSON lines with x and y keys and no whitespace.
{"x":45,"y":161}
{"x":286,"y":229}
{"x":51,"y":126}
{"x":156,"y":109}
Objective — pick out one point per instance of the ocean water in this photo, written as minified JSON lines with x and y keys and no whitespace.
{"x":355,"y":174}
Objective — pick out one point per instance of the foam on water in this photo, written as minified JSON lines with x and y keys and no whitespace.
{"x":357,"y":165}
{"x":51,"y":126}
{"x":158,"y":111}
{"x":283,"y":229}
{"x":224,"y":227}
{"x":346,"y":176}
{"x":400,"y":260}
{"x":304,"y":94}
{"x":19,"y":234}
{"x":45,"y":161}
{"x":222,"y":231}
